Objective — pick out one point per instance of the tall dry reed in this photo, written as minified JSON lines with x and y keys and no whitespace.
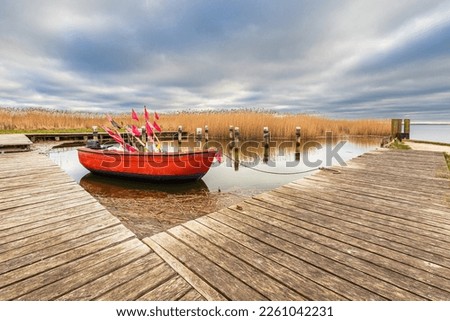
{"x":251,"y":123}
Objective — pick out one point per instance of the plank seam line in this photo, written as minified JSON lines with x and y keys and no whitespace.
{"x":186,"y":273}
{"x":352,"y":245}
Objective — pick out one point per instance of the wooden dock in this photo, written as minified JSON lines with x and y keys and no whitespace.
{"x":58,"y":243}
{"x":378,"y":229}
{"x":14,"y":143}
{"x":103,"y":137}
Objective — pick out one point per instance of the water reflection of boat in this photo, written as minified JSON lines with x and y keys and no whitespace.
{"x":128,"y":188}
{"x":173,"y":166}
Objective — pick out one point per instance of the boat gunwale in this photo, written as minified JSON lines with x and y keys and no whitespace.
{"x":164,"y":154}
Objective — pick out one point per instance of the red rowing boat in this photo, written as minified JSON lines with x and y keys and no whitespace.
{"x":171,"y":166}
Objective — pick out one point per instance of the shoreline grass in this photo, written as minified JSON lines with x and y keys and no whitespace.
{"x":250,"y":123}
{"x":396,"y":144}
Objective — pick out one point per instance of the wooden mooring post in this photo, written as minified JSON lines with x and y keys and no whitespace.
{"x":297,"y":142}
{"x":236,"y":134}
{"x":400,"y":129}
{"x":206,"y":136}
{"x":199,"y":136}
{"x":95,"y":133}
{"x":406,"y":128}
{"x":266,"y":139}
{"x":396,"y":128}
{"x":231,"y":132}
{"x":180,"y":135}
{"x":206,"y":133}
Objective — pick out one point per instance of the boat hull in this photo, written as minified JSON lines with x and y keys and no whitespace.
{"x":148,"y":166}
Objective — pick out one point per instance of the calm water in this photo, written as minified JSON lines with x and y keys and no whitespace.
{"x":148,"y":208}
{"x":251,"y":174}
{"x":433,"y":133}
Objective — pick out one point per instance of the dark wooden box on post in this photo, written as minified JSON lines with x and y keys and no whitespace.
{"x":406,"y":128}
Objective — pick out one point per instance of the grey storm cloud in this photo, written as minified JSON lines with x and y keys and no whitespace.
{"x":336,"y":58}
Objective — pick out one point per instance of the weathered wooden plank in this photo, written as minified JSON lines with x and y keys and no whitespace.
{"x":20,"y":177}
{"x":423,"y":181}
{"x":327,"y":273}
{"x":36,"y":178}
{"x":266,"y":262}
{"x":416,"y":158}
{"x":192,"y":295}
{"x":69,"y":193}
{"x":36,"y":238}
{"x":411,"y":197}
{"x":17,"y":216}
{"x":31,"y":189}
{"x":34,"y":276}
{"x":199,"y":284}
{"x":222,"y":281}
{"x":380,"y":216}
{"x":327,"y":220}
{"x":39,"y":255}
{"x":14,"y":139}
{"x":77,"y":230}
{"x":383,"y":189}
{"x":350,"y":194}
{"x":355,"y":205}
{"x":67,"y":278}
{"x":436,"y":193}
{"x":402,"y":185}
{"x":140,"y":285}
{"x":408,"y":230}
{"x":396,"y":272}
{"x":417,"y":166}
{"x":255,"y":278}
{"x":171,"y":290}
{"x":340,"y":254}
{"x":16,"y":230}
{"x":113,"y":279}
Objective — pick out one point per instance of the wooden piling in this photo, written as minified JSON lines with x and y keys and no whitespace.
{"x":206,"y":133}
{"x":406,"y":128}
{"x":266,"y":143}
{"x":236,"y":135}
{"x":198,"y":137}
{"x":266,"y":136}
{"x":95,"y":133}
{"x":180,"y":135}
{"x":396,"y":128}
{"x":298,"y":135}
{"x":236,"y":158}
{"x":231,"y":132}
{"x":198,"y":134}
{"x":297,"y":142}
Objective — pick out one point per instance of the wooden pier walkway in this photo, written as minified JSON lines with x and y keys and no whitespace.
{"x":378,"y":229}
{"x":14,"y":143}
{"x":58,"y":243}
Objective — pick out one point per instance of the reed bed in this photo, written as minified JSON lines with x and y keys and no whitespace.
{"x":250,"y":123}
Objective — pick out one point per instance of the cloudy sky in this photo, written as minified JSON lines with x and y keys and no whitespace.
{"x":347,"y":59}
